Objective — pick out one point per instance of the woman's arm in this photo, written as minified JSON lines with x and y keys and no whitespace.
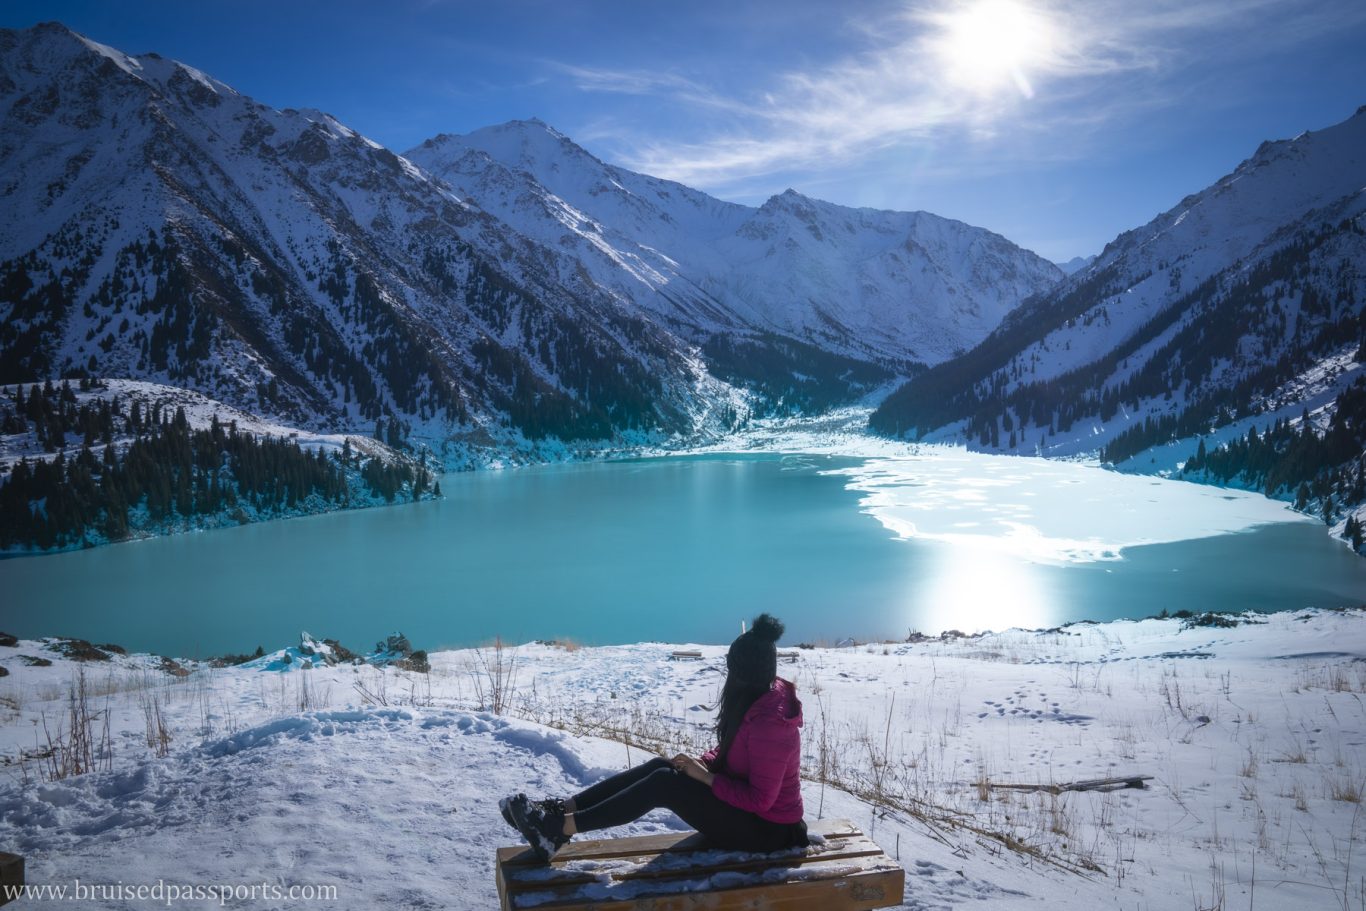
{"x":693,"y":769}
{"x":771,"y":744}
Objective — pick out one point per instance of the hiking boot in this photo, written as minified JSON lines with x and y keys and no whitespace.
{"x":542,"y":829}
{"x":549,"y":805}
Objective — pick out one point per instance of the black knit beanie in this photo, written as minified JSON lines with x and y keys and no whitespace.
{"x":753,"y":656}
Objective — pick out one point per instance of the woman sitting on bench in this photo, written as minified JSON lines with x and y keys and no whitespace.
{"x":745,"y":794}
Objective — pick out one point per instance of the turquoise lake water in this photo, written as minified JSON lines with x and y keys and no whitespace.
{"x":675,"y":549}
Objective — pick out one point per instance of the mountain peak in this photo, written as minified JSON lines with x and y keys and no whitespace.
{"x":52,"y":45}
{"x":50,"y":27}
{"x":788,"y":200}
{"x":49,"y":48}
{"x":531,"y":146}
{"x":530,"y":128}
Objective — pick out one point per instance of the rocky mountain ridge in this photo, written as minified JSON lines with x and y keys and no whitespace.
{"x":176,"y":231}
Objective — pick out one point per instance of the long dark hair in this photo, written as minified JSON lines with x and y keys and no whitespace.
{"x":751,"y":666}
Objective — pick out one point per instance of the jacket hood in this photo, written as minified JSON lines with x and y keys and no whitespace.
{"x":779,"y":704}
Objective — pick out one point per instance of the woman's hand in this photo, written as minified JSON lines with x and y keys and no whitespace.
{"x":693,"y":769}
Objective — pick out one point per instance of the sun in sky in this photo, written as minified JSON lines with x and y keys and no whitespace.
{"x":986,"y":46}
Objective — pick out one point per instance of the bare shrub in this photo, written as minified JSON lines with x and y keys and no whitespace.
{"x":74,"y":747}
{"x":1347,"y":788}
{"x":494,"y":673}
{"x":376,"y":693}
{"x":158,"y":736}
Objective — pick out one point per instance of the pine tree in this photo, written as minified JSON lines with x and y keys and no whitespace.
{"x":1353,"y":532}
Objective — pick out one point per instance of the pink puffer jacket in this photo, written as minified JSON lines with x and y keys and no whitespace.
{"x":762,"y":771}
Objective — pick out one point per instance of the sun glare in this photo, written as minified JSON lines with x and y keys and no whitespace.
{"x":978,"y":588}
{"x":989,"y":45}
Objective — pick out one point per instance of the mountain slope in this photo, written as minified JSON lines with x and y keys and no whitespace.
{"x":1241,"y":306}
{"x":885,"y":287}
{"x":180,"y":232}
{"x":96,"y":462}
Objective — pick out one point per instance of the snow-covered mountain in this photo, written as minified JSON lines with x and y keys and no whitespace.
{"x":1241,"y":306}
{"x":1076,"y":264}
{"x":177,"y":231}
{"x":892,"y":287}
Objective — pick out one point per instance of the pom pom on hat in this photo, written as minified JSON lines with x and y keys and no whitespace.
{"x":767,"y":628}
{"x":753,"y":657}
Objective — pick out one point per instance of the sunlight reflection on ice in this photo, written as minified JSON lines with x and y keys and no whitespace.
{"x":1046,"y":511}
{"x":977,"y":588}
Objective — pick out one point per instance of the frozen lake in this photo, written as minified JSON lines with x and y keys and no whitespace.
{"x":683,"y":549}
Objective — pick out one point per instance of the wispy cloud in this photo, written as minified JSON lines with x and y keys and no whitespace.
{"x":923,"y":78}
{"x":647,"y":82}
{"x":626,"y":82}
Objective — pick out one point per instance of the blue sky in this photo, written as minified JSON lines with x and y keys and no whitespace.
{"x":1058,"y":123}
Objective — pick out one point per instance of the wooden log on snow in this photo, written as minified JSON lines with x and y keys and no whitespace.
{"x":1091,"y":784}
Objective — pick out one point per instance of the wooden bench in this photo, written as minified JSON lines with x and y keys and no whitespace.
{"x":11,"y":877}
{"x":685,"y":655}
{"x":843,"y":870}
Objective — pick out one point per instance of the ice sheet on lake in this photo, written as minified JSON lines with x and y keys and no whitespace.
{"x":1049,"y":511}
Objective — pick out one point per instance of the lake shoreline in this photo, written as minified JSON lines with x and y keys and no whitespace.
{"x":93,"y":653}
{"x":673,"y":548}
{"x":841,"y":432}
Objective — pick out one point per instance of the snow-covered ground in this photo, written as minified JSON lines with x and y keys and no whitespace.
{"x":382,"y":783}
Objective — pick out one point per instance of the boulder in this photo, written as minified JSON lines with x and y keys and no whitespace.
{"x":78,"y":650}
{"x":173,"y":667}
{"x":397,"y":651}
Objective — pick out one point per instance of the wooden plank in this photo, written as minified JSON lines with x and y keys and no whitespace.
{"x":673,"y":842}
{"x":646,"y":866}
{"x":664,"y":865}
{"x":673,"y":872}
{"x":11,"y":876}
{"x":607,"y":885}
{"x":882,"y":888}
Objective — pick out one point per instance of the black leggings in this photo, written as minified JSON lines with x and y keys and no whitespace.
{"x":629,"y":795}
